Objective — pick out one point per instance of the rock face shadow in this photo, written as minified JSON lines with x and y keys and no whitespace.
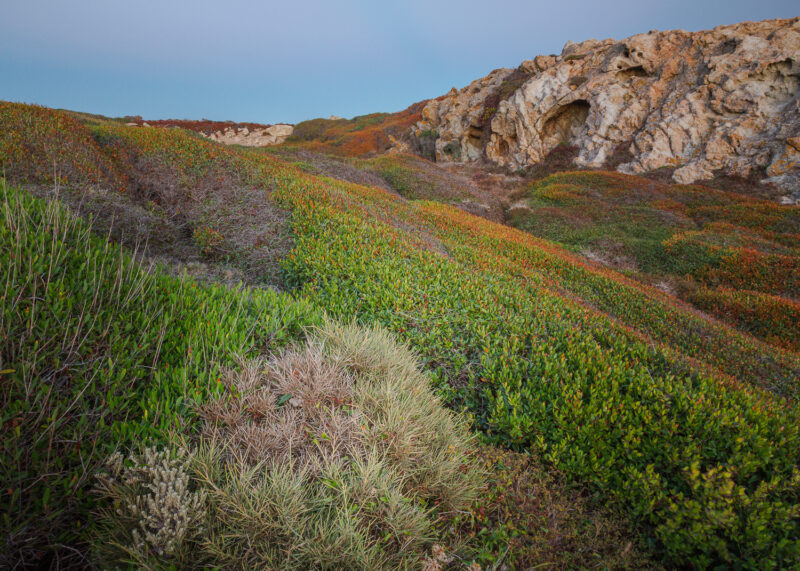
{"x":565,"y":124}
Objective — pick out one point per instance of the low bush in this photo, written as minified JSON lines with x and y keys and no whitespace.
{"x":359,"y":136}
{"x":38,"y":144}
{"x":209,"y":241}
{"x":335,"y":455}
{"x":772,"y":318}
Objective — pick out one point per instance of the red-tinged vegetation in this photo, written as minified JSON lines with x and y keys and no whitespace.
{"x":743,"y":267}
{"x":691,"y":237}
{"x":684,"y":423}
{"x":38,"y":144}
{"x":770,"y":317}
{"x":357,"y":137}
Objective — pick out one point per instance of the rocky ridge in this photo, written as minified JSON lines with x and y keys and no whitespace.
{"x":271,"y":135}
{"x":226,"y":132}
{"x":722,"y":101}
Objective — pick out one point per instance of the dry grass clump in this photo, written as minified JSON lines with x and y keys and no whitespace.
{"x":405,"y":420}
{"x":295,"y":407}
{"x":334,"y":455}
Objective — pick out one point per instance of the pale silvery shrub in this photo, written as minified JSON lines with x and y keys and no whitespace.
{"x":151,"y":498}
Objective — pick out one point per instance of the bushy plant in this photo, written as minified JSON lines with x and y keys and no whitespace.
{"x":331,"y":456}
{"x":452,"y":149}
{"x":155,"y":514}
{"x":209,"y":241}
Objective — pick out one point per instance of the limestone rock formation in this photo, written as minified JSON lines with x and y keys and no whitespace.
{"x":271,"y":135}
{"x":719,"y":101}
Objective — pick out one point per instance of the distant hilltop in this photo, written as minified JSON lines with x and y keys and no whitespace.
{"x":723,"y":101}
{"x":227,"y":132}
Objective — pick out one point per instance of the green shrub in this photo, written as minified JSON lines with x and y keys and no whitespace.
{"x":601,"y":400}
{"x":453,"y":150}
{"x":97,"y":353}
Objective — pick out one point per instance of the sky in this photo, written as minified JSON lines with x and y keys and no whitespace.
{"x":288,"y":61}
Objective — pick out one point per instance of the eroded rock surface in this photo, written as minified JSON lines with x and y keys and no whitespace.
{"x":252,"y":137}
{"x":723,"y":101}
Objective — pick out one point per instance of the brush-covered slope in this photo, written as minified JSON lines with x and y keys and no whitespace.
{"x":99,"y":353}
{"x":684,"y":423}
{"x":734,"y":256}
{"x":362,"y":135}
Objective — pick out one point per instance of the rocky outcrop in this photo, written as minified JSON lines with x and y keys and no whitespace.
{"x":251,"y":137}
{"x":226,"y":132}
{"x":723,"y":101}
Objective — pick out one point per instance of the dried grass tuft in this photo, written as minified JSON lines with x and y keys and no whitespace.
{"x":297,"y":406}
{"x":333,"y":455}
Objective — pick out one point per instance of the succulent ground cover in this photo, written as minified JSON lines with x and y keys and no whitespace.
{"x":359,"y":136}
{"x":731,"y":255}
{"x":663,"y":411}
{"x":686,"y":425}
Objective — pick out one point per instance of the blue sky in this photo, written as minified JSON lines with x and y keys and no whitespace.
{"x":245,"y":60}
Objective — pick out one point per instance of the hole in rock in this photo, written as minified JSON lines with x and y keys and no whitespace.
{"x":631,"y":72}
{"x":565,"y":123}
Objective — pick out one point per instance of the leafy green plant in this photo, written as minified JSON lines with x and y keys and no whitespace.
{"x":452,"y":149}
{"x":209,"y":241}
{"x":98,"y":353}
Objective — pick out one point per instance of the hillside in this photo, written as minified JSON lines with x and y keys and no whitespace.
{"x":684,"y":424}
{"x":733,"y":256}
{"x":551,"y":319}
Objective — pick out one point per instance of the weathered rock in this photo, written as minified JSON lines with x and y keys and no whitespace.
{"x":459,"y":114}
{"x":272,"y":135}
{"x":718,"y":101}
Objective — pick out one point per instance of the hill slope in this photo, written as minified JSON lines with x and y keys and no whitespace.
{"x":688,"y":425}
{"x":731,"y":255}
